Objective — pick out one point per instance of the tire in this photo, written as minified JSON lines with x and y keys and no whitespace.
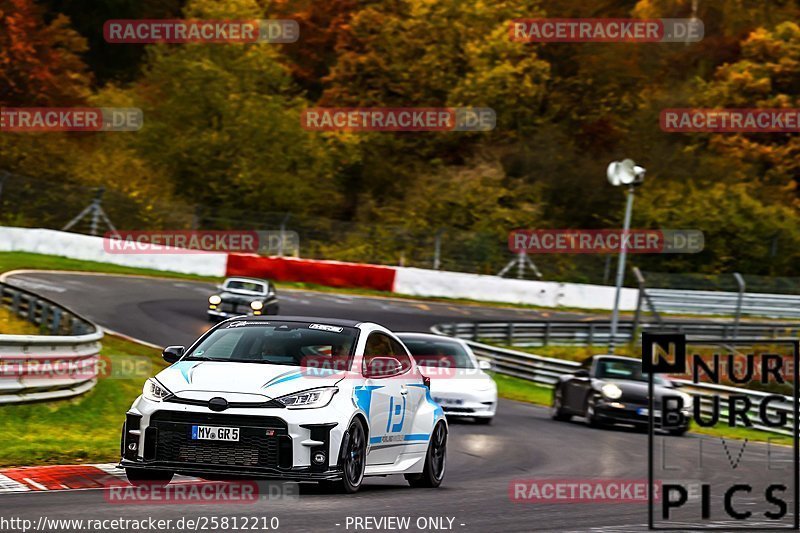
{"x":140,"y":476}
{"x":484,"y":421}
{"x":557,"y":409}
{"x":589,"y":412}
{"x":354,"y":462}
{"x":435,"y":461}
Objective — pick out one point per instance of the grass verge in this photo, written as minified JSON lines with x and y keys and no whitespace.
{"x":80,"y":430}
{"x":11,"y":324}
{"x":24,"y":260}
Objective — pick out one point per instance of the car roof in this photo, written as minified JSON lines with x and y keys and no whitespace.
{"x":315,"y":319}
{"x":429,"y":336}
{"x":244,"y":278}
{"x":621,"y":357}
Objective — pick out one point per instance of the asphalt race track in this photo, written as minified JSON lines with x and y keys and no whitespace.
{"x":523,"y":443}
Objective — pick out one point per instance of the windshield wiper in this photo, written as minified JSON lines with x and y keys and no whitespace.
{"x":200,"y":358}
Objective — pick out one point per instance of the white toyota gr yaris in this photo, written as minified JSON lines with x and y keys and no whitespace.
{"x":307,"y":399}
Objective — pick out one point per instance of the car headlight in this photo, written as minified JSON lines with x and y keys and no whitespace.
{"x":611,"y":391}
{"x":154,"y":391}
{"x":687,"y":400}
{"x":256,"y":305}
{"x":309,"y":399}
{"x":215,"y":299}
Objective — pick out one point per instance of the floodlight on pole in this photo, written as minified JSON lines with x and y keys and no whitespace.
{"x":629,"y":174}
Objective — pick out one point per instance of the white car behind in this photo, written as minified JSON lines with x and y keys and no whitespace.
{"x":459,"y":382}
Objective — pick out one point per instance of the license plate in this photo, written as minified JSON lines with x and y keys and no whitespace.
{"x":447,"y":401}
{"x":215,"y":433}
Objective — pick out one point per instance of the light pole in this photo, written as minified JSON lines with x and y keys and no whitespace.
{"x":625,"y":173}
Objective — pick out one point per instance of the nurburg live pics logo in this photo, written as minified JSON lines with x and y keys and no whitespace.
{"x":736,"y":501}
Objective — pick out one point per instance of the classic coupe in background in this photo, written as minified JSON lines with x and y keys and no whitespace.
{"x":243,"y":296}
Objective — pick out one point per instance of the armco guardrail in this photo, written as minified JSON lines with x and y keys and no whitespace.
{"x":598,"y":332}
{"x":546,"y":371}
{"x":725,"y":303}
{"x":59,"y":363}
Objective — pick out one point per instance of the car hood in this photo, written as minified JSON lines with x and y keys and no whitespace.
{"x":238,"y":381}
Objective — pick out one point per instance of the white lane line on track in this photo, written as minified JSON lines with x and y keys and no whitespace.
{"x":32,"y":285}
{"x":10,"y":485}
{"x":32,"y":483}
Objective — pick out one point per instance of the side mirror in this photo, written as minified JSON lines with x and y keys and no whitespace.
{"x":382,"y":367}
{"x":171,"y":354}
{"x":484,"y":365}
{"x":581,"y":373}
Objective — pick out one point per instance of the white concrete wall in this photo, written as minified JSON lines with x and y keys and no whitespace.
{"x":89,"y":248}
{"x":411,"y":281}
{"x":420,"y":282}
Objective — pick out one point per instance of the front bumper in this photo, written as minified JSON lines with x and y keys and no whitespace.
{"x":222,"y":315}
{"x":621,"y":412}
{"x":274,"y":443}
{"x":473,"y":404}
{"x":228,"y":310}
{"x":295,"y":474}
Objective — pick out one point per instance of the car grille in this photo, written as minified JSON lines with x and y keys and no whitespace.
{"x":448,"y":409}
{"x":232,"y":308}
{"x":259,"y":445}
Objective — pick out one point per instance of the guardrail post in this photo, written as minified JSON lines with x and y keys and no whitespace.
{"x":474,"y":331}
{"x":15,"y":302}
{"x":740,"y":282}
{"x":32,"y":303}
{"x":547,"y":333}
{"x":591,"y":334}
{"x":510,"y":334}
{"x":43,"y":315}
{"x":56,"y":323}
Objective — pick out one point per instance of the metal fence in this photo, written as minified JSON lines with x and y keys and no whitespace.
{"x":59,"y":362}
{"x":546,"y":371}
{"x":725,"y":303}
{"x":598,"y":332}
{"x":730,"y":296}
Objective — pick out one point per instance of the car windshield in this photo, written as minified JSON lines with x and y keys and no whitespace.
{"x":304,"y":344}
{"x":249,"y":286}
{"x":626,"y":370}
{"x":438,"y":353}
